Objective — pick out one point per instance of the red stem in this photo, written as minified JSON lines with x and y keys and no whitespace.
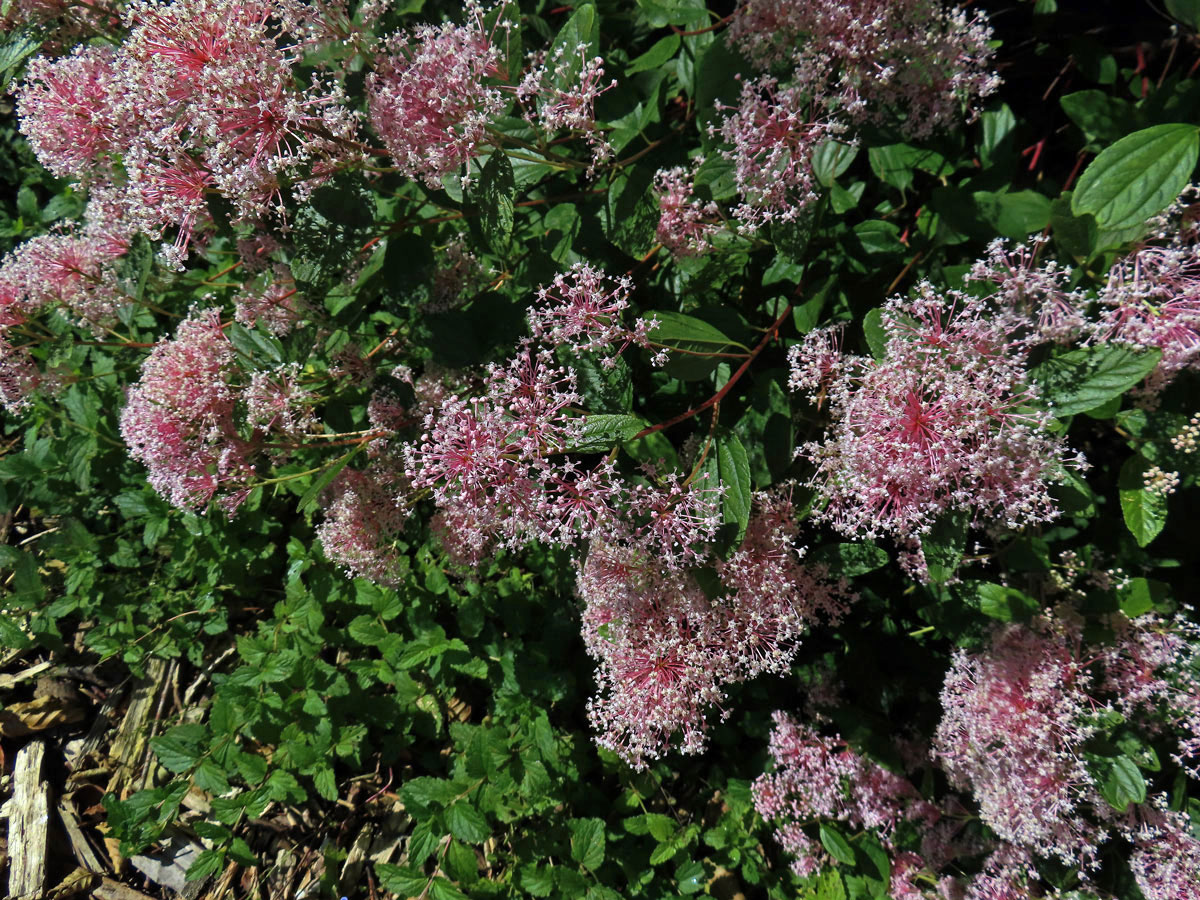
{"x":720,"y":395}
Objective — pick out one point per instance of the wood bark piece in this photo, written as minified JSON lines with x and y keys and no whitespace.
{"x":110,"y":889}
{"x":28,"y":824}
{"x":79,"y":843}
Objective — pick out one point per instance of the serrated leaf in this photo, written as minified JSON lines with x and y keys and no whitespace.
{"x":1145,"y":512}
{"x":326,"y":783}
{"x":17,"y":47}
{"x":441,"y":889}
{"x":602,"y":432}
{"x":497,"y":192}
{"x":209,"y":862}
{"x":1083,"y":379}
{"x":1138,"y":176}
{"x":175,"y":755}
{"x":587,"y":842}
{"x":1122,"y":783}
{"x":467,"y":823}
{"x":367,"y":630}
{"x":536,"y":880}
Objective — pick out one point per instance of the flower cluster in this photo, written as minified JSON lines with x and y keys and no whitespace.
{"x":200,"y":99}
{"x":686,"y":224}
{"x":430,"y":100}
{"x":827,"y":68}
{"x":667,"y":650}
{"x":936,"y":425}
{"x":196,"y":429}
{"x":1017,"y":717}
{"x":560,"y":92}
{"x":818,"y":777}
{"x":583,"y":310}
{"x":873,"y":60}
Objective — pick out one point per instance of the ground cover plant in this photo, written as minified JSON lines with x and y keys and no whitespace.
{"x":611,"y":450}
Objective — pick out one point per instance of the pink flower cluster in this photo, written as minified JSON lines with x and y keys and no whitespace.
{"x":667,"y":649}
{"x":873,"y":60}
{"x":195,"y":427}
{"x":934,"y":426}
{"x":583,"y":309}
{"x":200,"y":99}
{"x":560,"y":92}
{"x":430,"y":100}
{"x":1016,"y":720}
{"x":818,"y":777}
{"x":827,"y":68}
{"x":686,"y":224}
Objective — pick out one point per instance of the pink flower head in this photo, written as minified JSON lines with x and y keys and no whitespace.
{"x":686,"y":225}
{"x":773,"y":132}
{"x":363,"y":519}
{"x":179,"y":417}
{"x":874,"y":60}
{"x":1016,"y":717}
{"x":67,"y":110}
{"x":565,"y":89}
{"x":583,"y":309}
{"x":429,"y":100}
{"x":936,"y":425}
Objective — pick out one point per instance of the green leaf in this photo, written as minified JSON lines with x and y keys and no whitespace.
{"x":1102,"y":119}
{"x":1004,"y":603}
{"x":587,"y":842}
{"x":442,"y":889}
{"x":690,"y":877}
{"x":1081,"y":380}
{"x":831,"y":159}
{"x":1136,"y":178}
{"x":677,"y":329}
{"x":467,"y":823}
{"x":604,"y":431}
{"x":367,"y":630}
{"x":1186,"y":11}
{"x":829,"y":886}
{"x":1122,"y":783}
{"x":874,"y":332}
{"x":1145,"y":512}
{"x":849,"y":560}
{"x":17,"y":47}
{"x":497,"y":192}
{"x":461,"y":863}
{"x":209,"y":862}
{"x":176,"y":755}
{"x":536,"y":880}
{"x":836,"y":845}
{"x":1014,"y":215}
{"x":326,"y":783}
{"x":308,"y":500}
{"x":663,"y":50}
{"x":943,"y":545}
{"x":729,"y":466}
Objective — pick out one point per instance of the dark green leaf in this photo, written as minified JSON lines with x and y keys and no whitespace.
{"x":1145,"y":511}
{"x":836,"y":845}
{"x":603,"y":432}
{"x":663,"y":50}
{"x":497,"y":192}
{"x":467,"y":823}
{"x":587,"y":842}
{"x":1136,"y":178}
{"x":1080,"y":380}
